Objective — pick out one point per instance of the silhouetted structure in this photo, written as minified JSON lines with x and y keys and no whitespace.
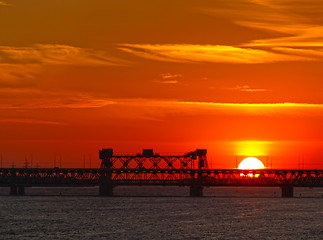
{"x":149,"y":168}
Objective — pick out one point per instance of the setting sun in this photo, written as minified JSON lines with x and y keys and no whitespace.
{"x":251,"y":163}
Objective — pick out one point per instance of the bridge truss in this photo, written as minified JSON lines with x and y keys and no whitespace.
{"x":210,"y":177}
{"x":147,"y":168}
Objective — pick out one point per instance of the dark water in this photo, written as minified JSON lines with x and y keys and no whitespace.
{"x":225,"y":213}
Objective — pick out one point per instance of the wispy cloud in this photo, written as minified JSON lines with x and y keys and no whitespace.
{"x":288,"y":4}
{"x":215,"y":108}
{"x":26,"y":62}
{"x":167,"y":81}
{"x":47,"y":100}
{"x":283,"y":104}
{"x":41,"y":100}
{"x":55,"y":54}
{"x":29,"y":121}
{"x":154,"y":109}
{"x":301,"y":35}
{"x":298,"y":22}
{"x":169,"y":78}
{"x":301,"y":51}
{"x":189,"y":53}
{"x":246,"y":88}
{"x":165,"y":103}
{"x":271,"y":3}
{"x":162,"y":109}
{"x":9,"y":72}
{"x":2,"y":3}
{"x":257,"y":109}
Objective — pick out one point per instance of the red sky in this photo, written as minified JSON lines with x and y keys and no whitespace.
{"x":238,"y":77}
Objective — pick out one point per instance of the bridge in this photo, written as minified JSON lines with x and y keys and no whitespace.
{"x":148,"y":168}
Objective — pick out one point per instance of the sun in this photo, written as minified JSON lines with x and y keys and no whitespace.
{"x":251,"y":163}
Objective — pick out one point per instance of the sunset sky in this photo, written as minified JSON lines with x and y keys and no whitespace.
{"x":237,"y":77}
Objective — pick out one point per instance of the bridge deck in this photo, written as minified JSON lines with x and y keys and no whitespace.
{"x":180,"y":177}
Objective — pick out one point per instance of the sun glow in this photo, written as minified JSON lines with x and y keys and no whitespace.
{"x":252,"y":148}
{"x":251,"y":163}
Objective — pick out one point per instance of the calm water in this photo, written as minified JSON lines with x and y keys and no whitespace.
{"x":225,"y":213}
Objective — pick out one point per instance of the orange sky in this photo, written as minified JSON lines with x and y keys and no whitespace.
{"x":238,"y":77}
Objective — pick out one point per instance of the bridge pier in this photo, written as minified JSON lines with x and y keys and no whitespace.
{"x":17,"y":190}
{"x":21,"y":190}
{"x":106,"y":189}
{"x":196,"y":190}
{"x":287,"y":191}
{"x":13,"y":190}
{"x":106,"y":182}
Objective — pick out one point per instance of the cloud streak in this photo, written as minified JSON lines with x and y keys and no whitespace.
{"x":246,"y":88}
{"x":54,"y":101}
{"x":298,"y":21}
{"x":29,"y":121}
{"x":166,"y":103}
{"x":163,"y":109}
{"x":301,"y":35}
{"x":169,"y":78}
{"x":26,"y":62}
{"x":55,"y":54}
{"x":4,"y":3}
{"x":178,"y":106}
{"x":192,"y":53}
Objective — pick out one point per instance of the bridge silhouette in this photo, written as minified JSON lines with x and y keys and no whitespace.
{"x":147,"y":168}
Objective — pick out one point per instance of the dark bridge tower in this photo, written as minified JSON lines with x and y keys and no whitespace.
{"x":106,"y":184}
{"x":196,"y":188}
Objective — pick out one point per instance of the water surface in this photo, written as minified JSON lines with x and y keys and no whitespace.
{"x":161,"y":213}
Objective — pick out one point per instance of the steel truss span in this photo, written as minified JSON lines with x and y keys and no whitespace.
{"x":148,"y":168}
{"x":180,"y":177}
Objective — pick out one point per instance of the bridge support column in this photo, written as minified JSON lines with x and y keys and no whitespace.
{"x":106,"y":189}
{"x":21,"y":190}
{"x":196,"y":190}
{"x":287,"y":191}
{"x":106,"y":182}
{"x":17,"y":190}
{"x":13,"y":190}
